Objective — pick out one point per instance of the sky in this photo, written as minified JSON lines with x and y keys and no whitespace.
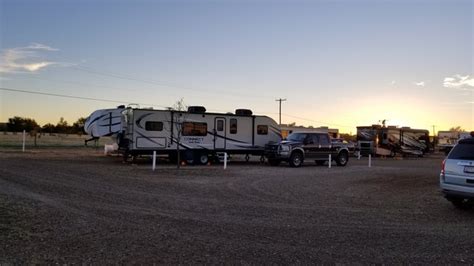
{"x":339,"y":64}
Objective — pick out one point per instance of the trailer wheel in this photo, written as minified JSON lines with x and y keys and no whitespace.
{"x":247,"y":158}
{"x":202,"y":158}
{"x":392,"y":153}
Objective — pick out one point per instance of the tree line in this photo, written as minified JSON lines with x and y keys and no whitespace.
{"x":18,"y":124}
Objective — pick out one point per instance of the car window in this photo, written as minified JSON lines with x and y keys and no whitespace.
{"x":323,"y":140}
{"x":296,"y":137}
{"x":462,"y":152}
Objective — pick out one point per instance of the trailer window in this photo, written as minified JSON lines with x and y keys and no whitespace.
{"x":220,"y":125}
{"x":262,"y":130}
{"x":233,"y":126}
{"x":194,"y":129}
{"x":153,"y":126}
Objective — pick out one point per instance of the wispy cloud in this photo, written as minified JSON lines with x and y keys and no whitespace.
{"x":419,"y":84}
{"x":458,"y":81}
{"x":29,"y":58}
{"x":393,"y":83}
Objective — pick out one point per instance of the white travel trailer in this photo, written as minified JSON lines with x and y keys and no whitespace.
{"x":200,"y":134}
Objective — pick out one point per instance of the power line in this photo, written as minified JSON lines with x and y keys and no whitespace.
{"x":159,"y":83}
{"x":75,"y":97}
{"x":145,"y":104}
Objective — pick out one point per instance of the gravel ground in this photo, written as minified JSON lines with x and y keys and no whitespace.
{"x":77,"y":206}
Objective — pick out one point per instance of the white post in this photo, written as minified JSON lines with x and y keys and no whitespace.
{"x":358,"y":156}
{"x":330,"y":161}
{"x":225,"y":160}
{"x":24,"y":140}
{"x":154,"y":161}
{"x":370,"y":160}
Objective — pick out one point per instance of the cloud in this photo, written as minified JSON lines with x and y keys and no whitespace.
{"x":28,"y":58}
{"x":39,"y":46}
{"x":458,"y":81}
{"x":419,"y":84}
{"x":393,"y":83}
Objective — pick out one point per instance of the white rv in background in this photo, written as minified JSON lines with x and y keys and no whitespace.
{"x":447,"y":139}
{"x":142,"y":131}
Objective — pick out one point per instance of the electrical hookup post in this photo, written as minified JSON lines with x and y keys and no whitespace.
{"x":154,"y":161}
{"x":225,"y":160}
{"x":24,"y":140}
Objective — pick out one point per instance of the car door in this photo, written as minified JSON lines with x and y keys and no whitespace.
{"x":324,"y":146}
{"x":310,"y":146}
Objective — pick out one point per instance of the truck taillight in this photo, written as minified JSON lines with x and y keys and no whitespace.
{"x":443,"y":164}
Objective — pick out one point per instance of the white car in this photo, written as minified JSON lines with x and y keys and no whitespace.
{"x":457,"y":174}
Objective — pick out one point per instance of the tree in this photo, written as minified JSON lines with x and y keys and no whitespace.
{"x":49,"y":128}
{"x":18,"y":124}
{"x":178,"y":120}
{"x":62,"y":126}
{"x":78,"y":126}
{"x":457,"y":129}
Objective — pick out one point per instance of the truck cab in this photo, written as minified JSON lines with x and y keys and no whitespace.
{"x":301,"y":146}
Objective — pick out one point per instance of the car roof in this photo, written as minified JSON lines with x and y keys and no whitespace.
{"x":467,"y":141}
{"x":309,"y":132}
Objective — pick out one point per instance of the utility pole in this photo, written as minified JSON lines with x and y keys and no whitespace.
{"x":280,"y":100}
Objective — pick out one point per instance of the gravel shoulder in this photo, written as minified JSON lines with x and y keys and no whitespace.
{"x":78,"y":206}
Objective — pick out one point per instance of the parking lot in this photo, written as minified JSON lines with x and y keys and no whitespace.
{"x":78,"y":206}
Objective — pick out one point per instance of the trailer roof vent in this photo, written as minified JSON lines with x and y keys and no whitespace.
{"x":197,"y":109}
{"x":244,"y":112}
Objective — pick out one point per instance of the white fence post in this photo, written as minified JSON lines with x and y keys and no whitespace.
{"x":154,"y":161}
{"x":225,"y":160}
{"x":358,"y":156}
{"x":330,"y":161}
{"x":370,"y":160}
{"x":24,"y":140}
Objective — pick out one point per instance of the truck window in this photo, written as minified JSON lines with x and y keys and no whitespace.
{"x":323,"y":139}
{"x":194,"y":129}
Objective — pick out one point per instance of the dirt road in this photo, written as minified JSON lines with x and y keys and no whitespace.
{"x":69,"y":206}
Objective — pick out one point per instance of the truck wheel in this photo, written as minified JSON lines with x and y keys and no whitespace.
{"x":296,"y":159}
{"x":342,"y":158}
{"x":274,"y":162}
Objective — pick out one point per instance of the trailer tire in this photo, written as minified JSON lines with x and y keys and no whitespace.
{"x":392,"y":153}
{"x":202,"y":158}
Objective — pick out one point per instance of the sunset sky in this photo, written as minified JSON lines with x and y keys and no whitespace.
{"x":338,"y":63}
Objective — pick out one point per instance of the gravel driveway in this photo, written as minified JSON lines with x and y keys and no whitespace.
{"x":77,"y":206}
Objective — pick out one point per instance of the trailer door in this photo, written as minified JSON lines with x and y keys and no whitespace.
{"x":219,"y":133}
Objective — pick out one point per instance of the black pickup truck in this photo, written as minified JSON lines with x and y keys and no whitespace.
{"x":307,"y":145}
